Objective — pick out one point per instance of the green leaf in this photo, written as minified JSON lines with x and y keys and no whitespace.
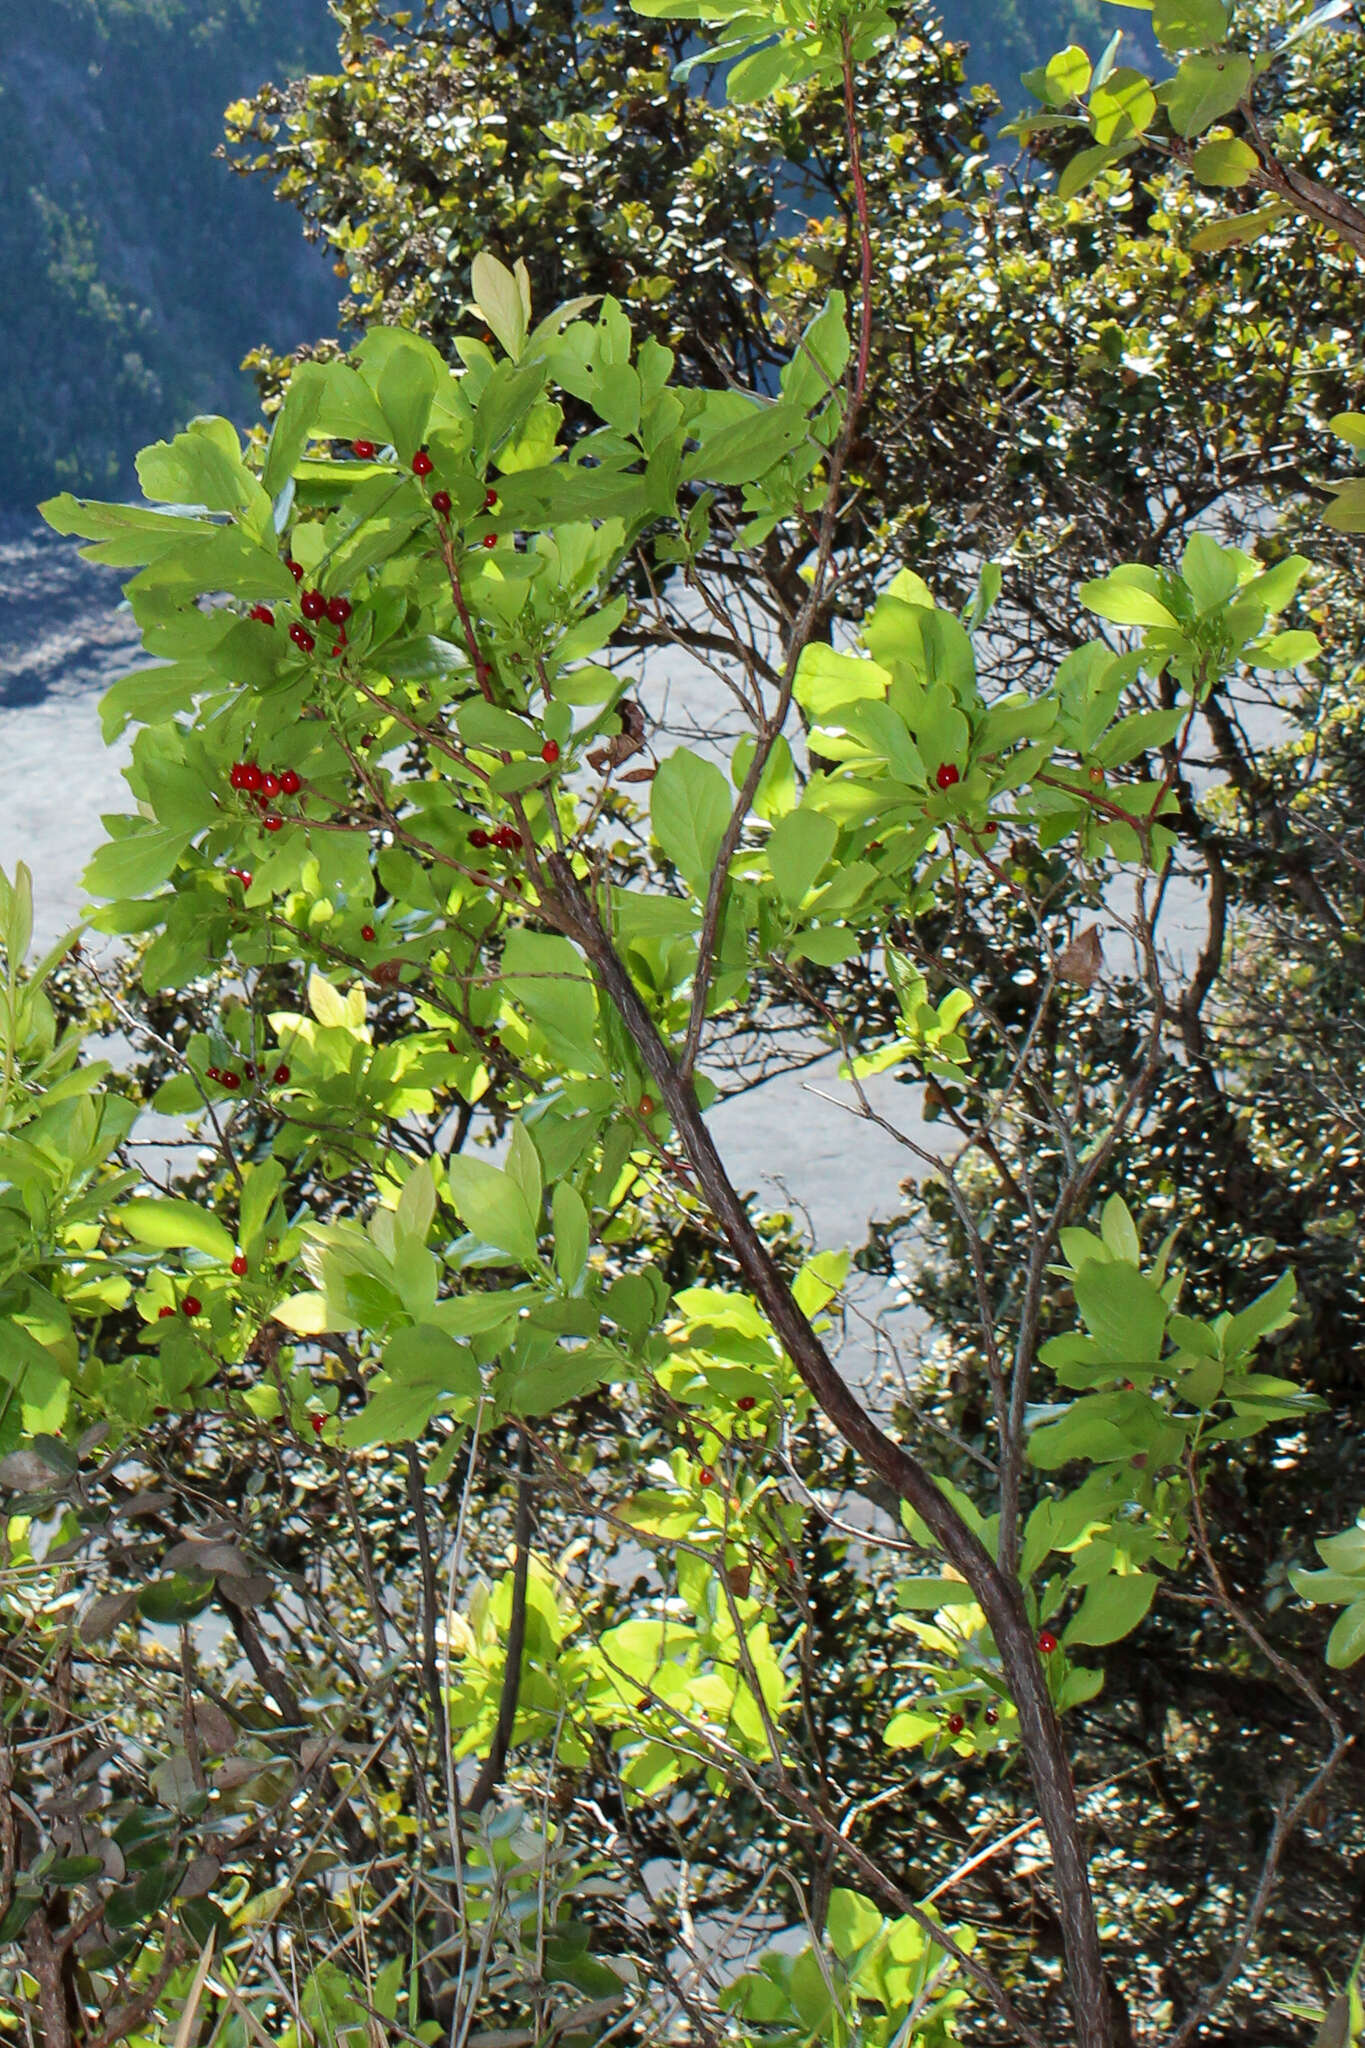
{"x":569,"y":1217}
{"x":1111,"y":1609}
{"x":503,"y":300}
{"x":746,"y":450}
{"x":563,"y":1376}
{"x":1127,"y":597}
{"x":851,"y":1921}
{"x":1270,"y":1311}
{"x":690,"y":809}
{"x":1240,"y":229}
{"x":1123,"y":1311}
{"x":1283,"y":650}
{"x":1204,"y":89}
{"x":1346,"y":1644}
{"x":136,"y":865}
{"x":1066,"y":76}
{"x":1189,"y":24}
{"x":1085,"y":1431}
{"x":177,"y":1598}
{"x":1224,"y":161}
{"x":546,"y":977}
{"x":1087,"y":164}
{"x":202,"y":466}
{"x":490,"y":1203}
{"x":799,"y":845}
{"x":1122,"y":108}
{"x":176,"y":1225}
{"x":293,"y":423}
{"x":423,"y":1369}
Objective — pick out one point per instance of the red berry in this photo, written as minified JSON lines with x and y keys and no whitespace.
{"x":441,"y":502}
{"x":230,"y":1080}
{"x":367,"y":739}
{"x":313,"y":604}
{"x":956,"y":1724}
{"x":549,"y":753}
{"x":338,"y":610}
{"x":162,"y":1312}
{"x":747,"y":1403}
{"x":237,"y":775}
{"x":490,"y":540}
{"x":270,"y":784}
{"x":239,"y":1266}
{"x":422,"y":464}
{"x":338,"y":647}
{"x":280,"y":1075}
{"x":250,"y":1069}
{"x":295,"y":569}
{"x":252,"y":777}
{"x":947,"y":776}
{"x":290,"y":782}
{"x":646,"y":1105}
{"x":990,"y":1717}
{"x":263,"y":613}
{"x":450,"y":1045}
{"x":273,"y":822}
{"x":317,"y":1422}
{"x":1047,"y":1642}
{"x":707,"y":1476}
{"x":507,"y":837}
{"x":213,"y":1074}
{"x":367,"y":933}
{"x":364,"y":450}
{"x":478,"y":837}
{"x":191,"y":1306}
{"x":490,"y":499}
{"x":302,"y":638}
{"x":243,"y":876}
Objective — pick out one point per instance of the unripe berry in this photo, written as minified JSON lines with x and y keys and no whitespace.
{"x":422,"y":464}
{"x":338,"y":610}
{"x":313,"y":605}
{"x":1047,"y":1642}
{"x":549,"y":753}
{"x":441,"y":502}
{"x":290,"y":782}
{"x":302,"y":638}
{"x":239,"y":1266}
{"x":191,"y":1306}
{"x":947,"y":776}
{"x":365,"y":451}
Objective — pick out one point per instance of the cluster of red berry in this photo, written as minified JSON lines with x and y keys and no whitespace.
{"x":506,"y":837}
{"x":265,"y":786}
{"x":229,"y":1078}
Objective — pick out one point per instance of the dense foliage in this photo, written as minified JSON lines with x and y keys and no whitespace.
{"x":539,"y":1637}
{"x":139,"y":277}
